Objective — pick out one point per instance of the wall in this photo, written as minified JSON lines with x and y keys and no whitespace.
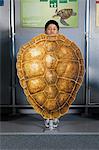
{"x":5,"y":56}
{"x":93,"y":57}
{"x":88,"y":94}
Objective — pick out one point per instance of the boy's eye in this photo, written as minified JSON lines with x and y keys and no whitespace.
{"x":51,"y":29}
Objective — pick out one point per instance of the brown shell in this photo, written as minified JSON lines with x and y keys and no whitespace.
{"x":50,"y":70}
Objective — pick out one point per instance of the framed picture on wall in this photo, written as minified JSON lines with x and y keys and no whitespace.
{"x":35,"y":13}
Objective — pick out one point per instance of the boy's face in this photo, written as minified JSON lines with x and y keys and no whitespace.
{"x":51,"y":29}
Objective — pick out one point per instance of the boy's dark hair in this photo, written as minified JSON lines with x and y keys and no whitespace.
{"x":51,"y":22}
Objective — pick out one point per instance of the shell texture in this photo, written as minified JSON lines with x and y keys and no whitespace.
{"x":50,"y":70}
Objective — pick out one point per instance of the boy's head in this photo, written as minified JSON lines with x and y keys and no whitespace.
{"x":51,"y":27}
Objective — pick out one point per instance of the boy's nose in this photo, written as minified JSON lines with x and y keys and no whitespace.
{"x":52,"y":31}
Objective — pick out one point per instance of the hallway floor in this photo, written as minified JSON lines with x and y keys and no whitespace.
{"x":34,"y":125}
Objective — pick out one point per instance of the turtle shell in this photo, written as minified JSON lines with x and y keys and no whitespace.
{"x":50,"y":70}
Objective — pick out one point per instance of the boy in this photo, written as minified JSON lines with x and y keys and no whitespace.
{"x":51,"y":27}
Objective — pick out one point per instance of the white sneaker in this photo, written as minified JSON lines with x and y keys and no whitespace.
{"x":55,"y":123}
{"x":47,"y":123}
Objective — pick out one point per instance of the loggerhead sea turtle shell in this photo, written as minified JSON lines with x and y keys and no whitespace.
{"x":50,"y":70}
